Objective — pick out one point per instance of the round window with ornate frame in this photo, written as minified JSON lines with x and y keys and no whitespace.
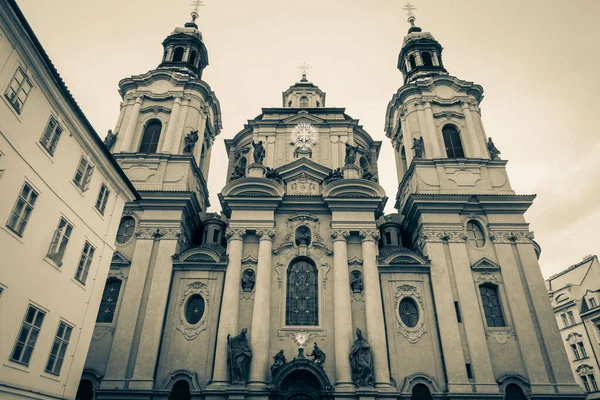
{"x":409,"y":312}
{"x":475,"y":234}
{"x":194,"y":309}
{"x":126,"y":230}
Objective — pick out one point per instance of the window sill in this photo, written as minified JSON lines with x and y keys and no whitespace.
{"x":45,"y":151}
{"x":53,"y":264}
{"x":12,"y":108}
{"x":16,"y":365}
{"x":50,"y":375}
{"x":77,"y":188}
{"x":79,"y":283}
{"x":99,"y":213}
{"x":13,"y":233}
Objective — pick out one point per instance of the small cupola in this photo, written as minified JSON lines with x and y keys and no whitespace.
{"x":389,"y":226}
{"x":421,"y":54}
{"x":184,"y":50}
{"x":304,"y":94}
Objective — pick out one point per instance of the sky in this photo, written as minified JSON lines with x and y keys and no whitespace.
{"x":537,"y":61}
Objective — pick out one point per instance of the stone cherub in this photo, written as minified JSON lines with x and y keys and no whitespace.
{"x":259,"y":152}
{"x":493,"y":149}
{"x":190,"y":141}
{"x":418,"y":147}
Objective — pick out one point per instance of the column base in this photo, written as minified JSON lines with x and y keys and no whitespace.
{"x":345,"y":387}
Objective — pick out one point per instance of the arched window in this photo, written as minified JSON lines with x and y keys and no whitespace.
{"x":491,"y":305}
{"x":420,"y":392}
{"x":412,"y":61}
{"x":403,"y":160}
{"x":426,"y":57}
{"x":409,"y":312}
{"x":303,"y":101}
{"x":452,"y":141}
{"x":178,"y":54}
{"x":126,"y":229}
{"x":108,"y":304}
{"x":289,"y":103}
{"x":150,"y":137}
{"x":180,"y":391}
{"x":475,"y":234}
{"x":85,"y":391}
{"x":193,"y":57}
{"x":514,"y":392}
{"x":302,"y":306}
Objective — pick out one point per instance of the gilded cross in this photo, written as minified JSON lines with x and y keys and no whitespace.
{"x":409,"y":12}
{"x":196,"y":4}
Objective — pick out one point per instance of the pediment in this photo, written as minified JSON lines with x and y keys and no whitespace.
{"x":485,"y":264}
{"x":206,"y":253}
{"x":119,"y":260}
{"x":303,"y":116}
{"x":306,"y":166}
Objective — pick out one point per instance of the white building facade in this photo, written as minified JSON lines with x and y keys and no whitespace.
{"x":61,"y":199}
{"x":575,"y":297}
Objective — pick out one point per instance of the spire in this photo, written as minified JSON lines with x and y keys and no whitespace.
{"x":196,"y":4}
{"x":304,"y":67}
{"x":411,"y":17}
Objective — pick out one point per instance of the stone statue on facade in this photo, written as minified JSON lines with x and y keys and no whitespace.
{"x":318,"y":355}
{"x":350,"y":154}
{"x":303,"y":235}
{"x":493,"y":149}
{"x":190,"y":141}
{"x":279,"y":361}
{"x":361,"y":362}
{"x":334,"y":175}
{"x":238,"y":172}
{"x":368,"y":175}
{"x":110,"y":139}
{"x":259,"y":152}
{"x":418,"y":147}
{"x":238,"y":357}
{"x":356,"y":282}
{"x":248,"y":280}
{"x":272,"y":174}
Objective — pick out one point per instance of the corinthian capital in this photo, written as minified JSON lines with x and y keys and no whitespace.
{"x":266,"y":234}
{"x":370,"y":234}
{"x":339,"y":234}
{"x":235,"y":234}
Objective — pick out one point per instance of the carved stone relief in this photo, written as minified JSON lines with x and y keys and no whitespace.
{"x":487,"y":277}
{"x":440,"y":237}
{"x":501,"y":336}
{"x":303,"y":186}
{"x":300,"y":337}
{"x":411,"y":334}
{"x":512,"y":236}
{"x":188,"y":330}
{"x":101,"y":331}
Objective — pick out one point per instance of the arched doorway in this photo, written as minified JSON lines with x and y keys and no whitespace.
{"x":85,"y":391}
{"x":420,"y":392}
{"x":180,"y":391}
{"x":301,"y":379}
{"x":514,"y":392}
{"x":301,"y":385}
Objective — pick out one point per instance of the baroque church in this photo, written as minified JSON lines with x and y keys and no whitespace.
{"x":302,"y":288}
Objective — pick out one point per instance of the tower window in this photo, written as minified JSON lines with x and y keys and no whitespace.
{"x":427,"y":61}
{"x":108,"y":304}
{"x":178,"y":54}
{"x":412,"y":61}
{"x":302,"y":307}
{"x":403,"y":160}
{"x":491,"y":306}
{"x":303,"y":101}
{"x":452,"y":141}
{"x":193,"y":57}
{"x":388,"y":238}
{"x":151,"y":137}
{"x":475,"y":234}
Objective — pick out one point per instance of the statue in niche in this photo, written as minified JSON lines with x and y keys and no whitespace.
{"x":334,"y":175}
{"x":259,"y":152}
{"x":303,"y":236}
{"x":190,"y":141}
{"x":356,"y":282}
{"x":248,"y":280}
{"x":238,"y":357}
{"x":110,"y":139}
{"x":238,"y":172}
{"x":279,"y":361}
{"x":361,"y":362}
{"x":272,"y":174}
{"x":318,"y":355}
{"x":418,"y":147}
{"x":493,"y":149}
{"x":350,"y":154}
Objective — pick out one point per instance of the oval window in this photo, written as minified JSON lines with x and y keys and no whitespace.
{"x":475,"y":234}
{"x":409,"y":313}
{"x":194,"y":309}
{"x":126,"y":229}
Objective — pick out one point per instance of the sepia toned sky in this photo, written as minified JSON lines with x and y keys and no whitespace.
{"x":537,"y":61}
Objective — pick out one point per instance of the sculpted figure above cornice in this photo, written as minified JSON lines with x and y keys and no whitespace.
{"x":370,"y":235}
{"x":235,"y":234}
{"x":340,"y":234}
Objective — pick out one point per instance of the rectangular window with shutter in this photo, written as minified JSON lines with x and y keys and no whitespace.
{"x":19,"y":216}
{"x":30,"y":329}
{"x":102,"y":199}
{"x":59,"y":348}
{"x":18,"y":90}
{"x":593,"y":384}
{"x":51,"y":135}
{"x":83,"y":174}
{"x":582,"y":350}
{"x":87,"y":255}
{"x":575,"y":351}
{"x":59,"y":241}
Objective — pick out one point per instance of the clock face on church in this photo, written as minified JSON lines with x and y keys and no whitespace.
{"x":304,"y":135}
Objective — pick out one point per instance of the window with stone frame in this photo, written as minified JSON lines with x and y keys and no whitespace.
{"x":51,"y":135}
{"x":582,"y":351}
{"x":126,"y":229}
{"x":85,"y":261}
{"x":151,"y":137}
{"x":59,"y":242}
{"x":108,"y":304}
{"x":575,"y":352}
{"x":18,"y":90}
{"x":83,"y":174}
{"x":21,"y":212}
{"x":30,"y":330}
{"x":492,"y":307}
{"x":592,"y":302}
{"x":563,"y":318}
{"x":302,"y":303}
{"x":59,"y":348}
{"x":102,"y":199}
{"x":454,"y":148}
{"x":593,"y":384}
{"x":571,"y":318}
{"x":475,"y":234}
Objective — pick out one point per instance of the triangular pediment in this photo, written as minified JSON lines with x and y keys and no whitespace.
{"x":303,"y":166}
{"x":303,"y":116}
{"x":485,"y":264}
{"x":119,"y":260}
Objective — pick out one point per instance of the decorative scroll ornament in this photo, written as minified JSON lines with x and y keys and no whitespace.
{"x":584,"y":369}
{"x":300,"y":337}
{"x":411,"y":334}
{"x":512,"y":237}
{"x":370,"y":235}
{"x":501,"y":336}
{"x":304,"y":135}
{"x":573,"y":338}
{"x":442,"y":236}
{"x":101,"y":331}
{"x":235,"y":234}
{"x":487,"y":277}
{"x":188,"y":330}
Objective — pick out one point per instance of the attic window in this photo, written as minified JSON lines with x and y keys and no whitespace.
{"x":426,"y":57}
{"x":178,"y":54}
{"x":304,"y":101}
{"x":193,"y":57}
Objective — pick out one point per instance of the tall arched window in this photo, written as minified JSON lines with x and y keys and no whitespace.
{"x":303,"y":101}
{"x":412,"y":61}
{"x":108,"y":304}
{"x":180,"y":391}
{"x":475,"y":234}
{"x":150,"y":137}
{"x":426,"y":57}
{"x":492,"y":308}
{"x":420,"y":392}
{"x":302,"y":306}
{"x":403,"y":159}
{"x":452,"y":141}
{"x":514,"y":392}
{"x":178,"y":54}
{"x":193,"y":57}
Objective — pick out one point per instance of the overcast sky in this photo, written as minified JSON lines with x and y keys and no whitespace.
{"x":537,"y":61}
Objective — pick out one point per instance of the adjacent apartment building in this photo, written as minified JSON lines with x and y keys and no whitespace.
{"x":61,"y":199}
{"x":575,"y":296}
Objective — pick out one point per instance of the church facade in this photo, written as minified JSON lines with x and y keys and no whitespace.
{"x":302,"y":288}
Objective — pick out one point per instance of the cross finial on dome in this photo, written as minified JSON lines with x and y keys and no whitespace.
{"x":304,"y":67}
{"x":409,"y":12}
{"x":196,"y":4}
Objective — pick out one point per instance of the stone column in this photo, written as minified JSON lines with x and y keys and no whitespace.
{"x":261,"y":315}
{"x":374,"y":308}
{"x":228,"y":321}
{"x":471,"y":141}
{"x":170,"y":135}
{"x":342,"y":309}
{"x":131,"y":124}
